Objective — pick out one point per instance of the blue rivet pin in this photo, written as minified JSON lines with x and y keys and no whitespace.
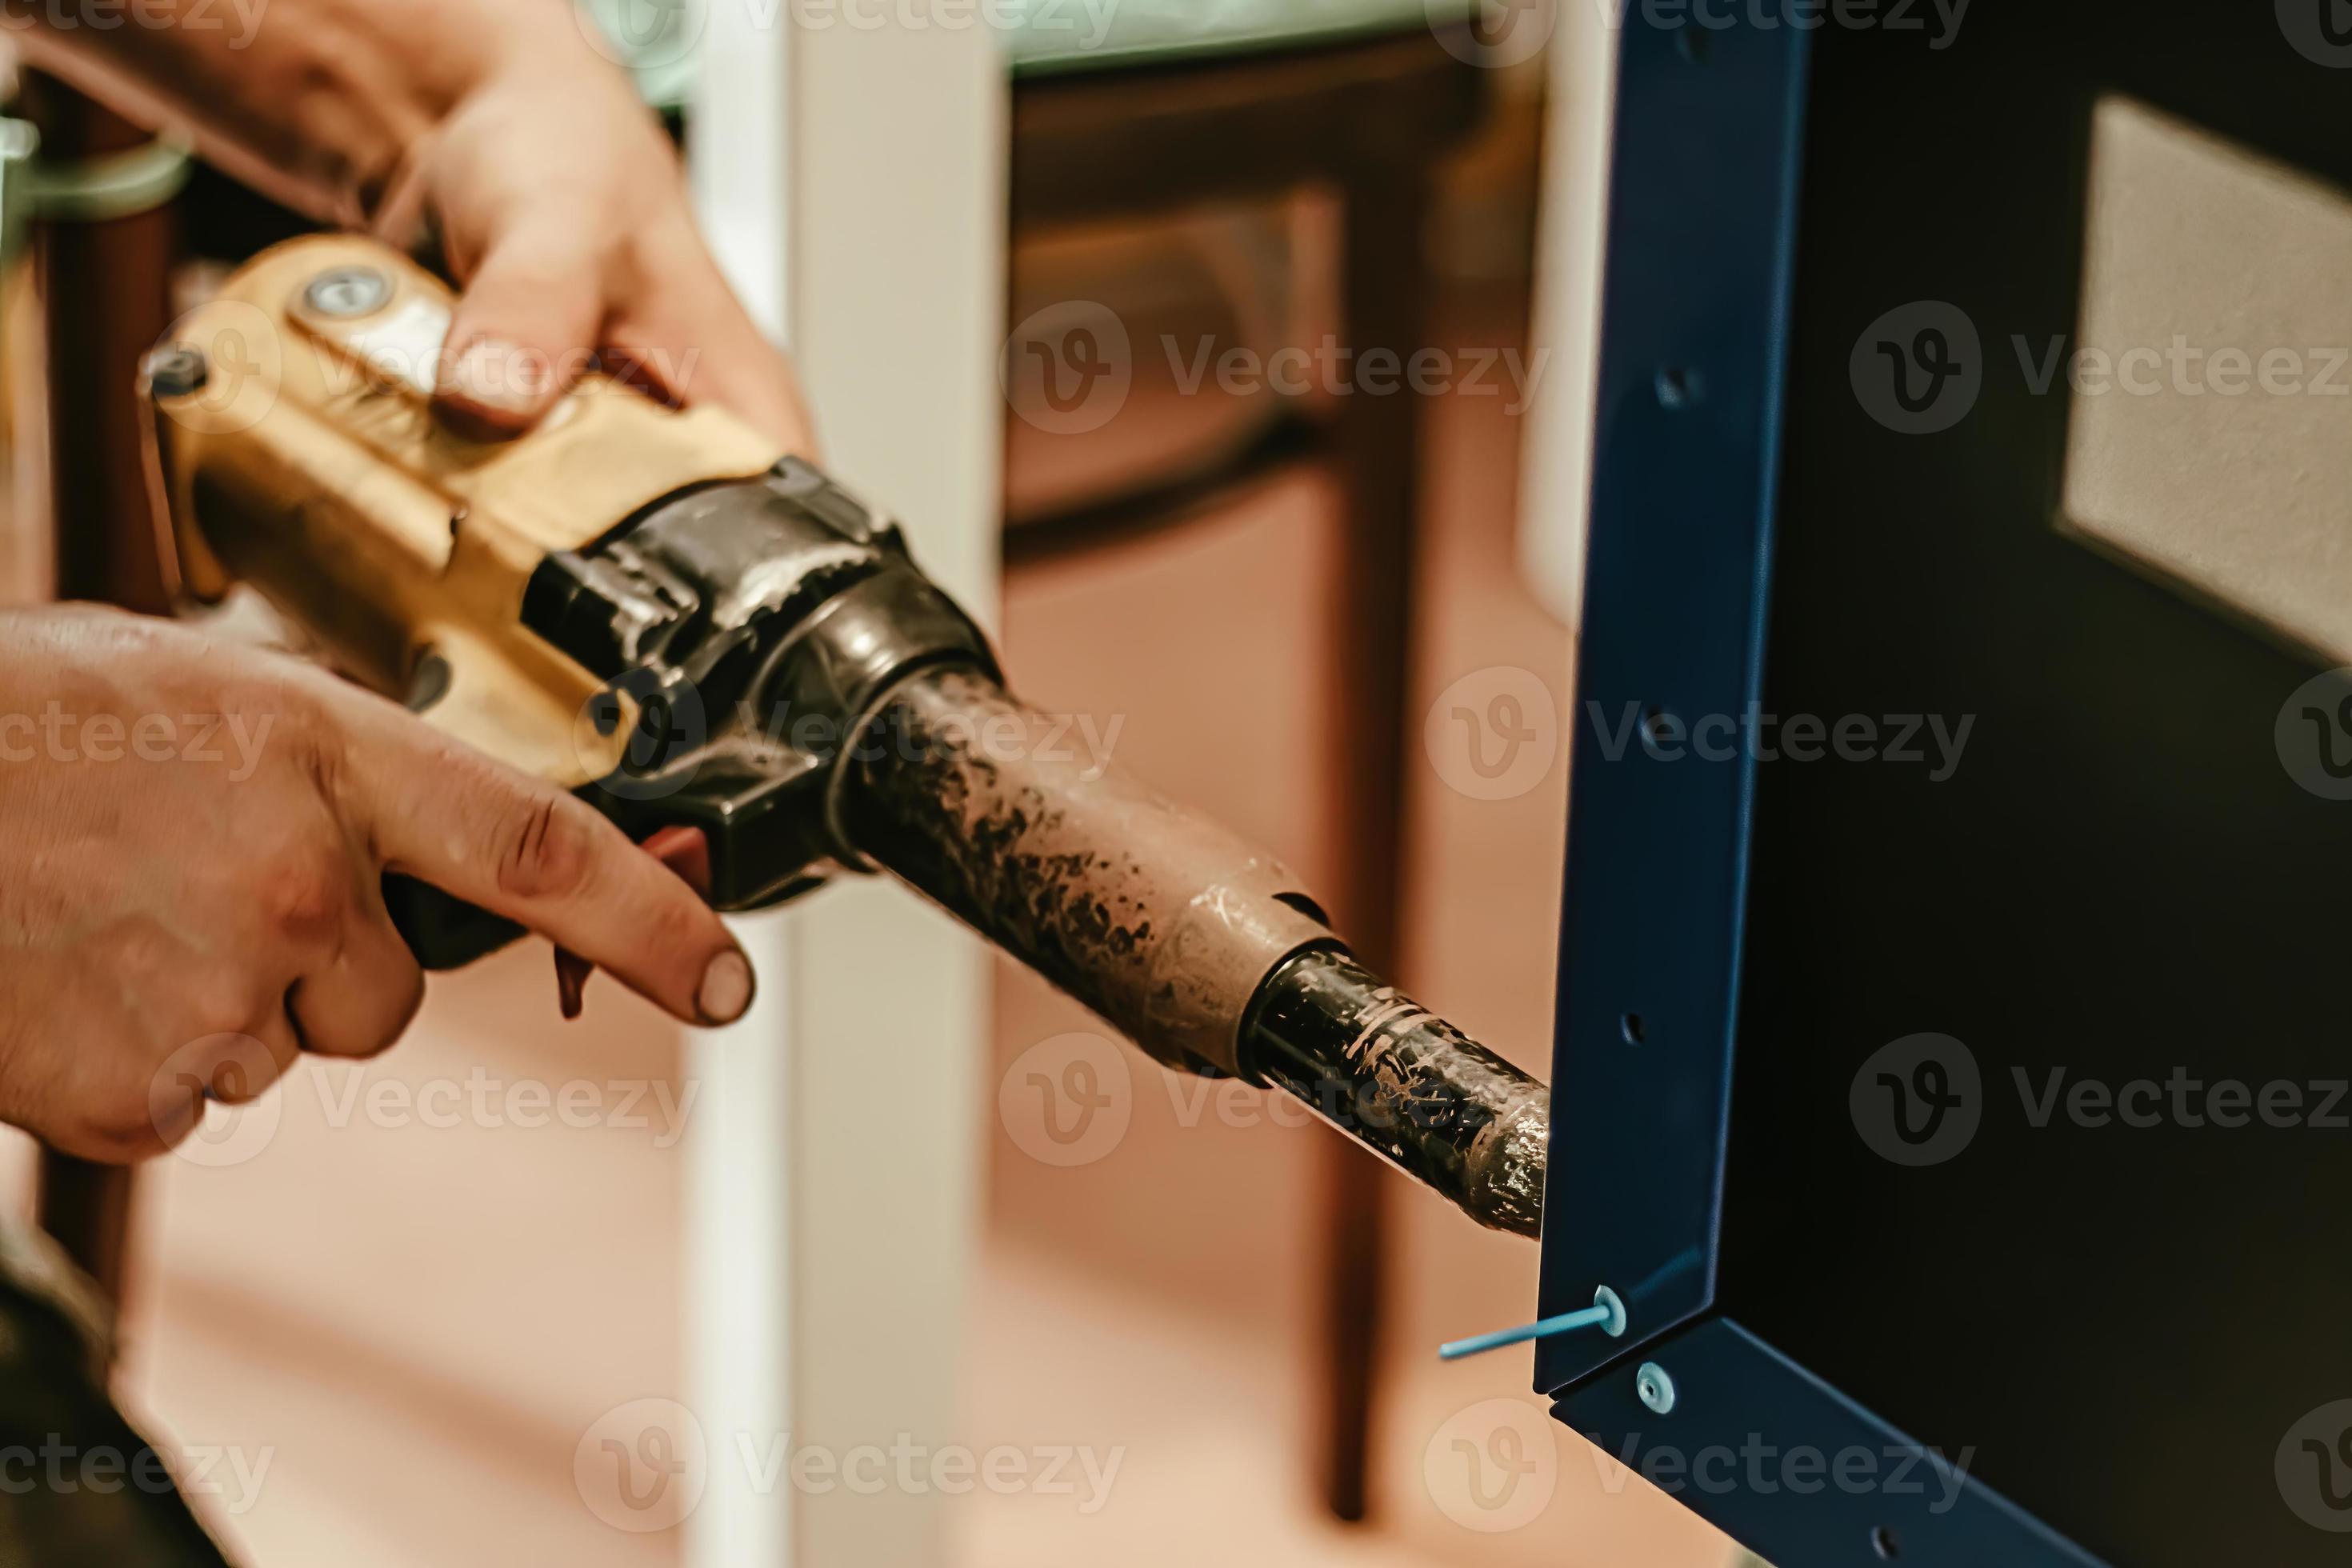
{"x":1607,"y":1313}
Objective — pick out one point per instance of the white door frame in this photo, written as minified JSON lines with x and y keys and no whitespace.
{"x":852,"y":180}
{"x":1573,"y":213}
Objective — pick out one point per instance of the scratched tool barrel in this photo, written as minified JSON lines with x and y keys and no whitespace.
{"x":1201,"y":949}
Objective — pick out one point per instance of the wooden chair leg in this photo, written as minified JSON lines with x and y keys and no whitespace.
{"x":105,"y":289}
{"x":1379,"y":434}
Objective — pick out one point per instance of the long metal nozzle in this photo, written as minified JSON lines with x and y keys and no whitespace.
{"x":1390,"y":1073}
{"x":1200,"y":948}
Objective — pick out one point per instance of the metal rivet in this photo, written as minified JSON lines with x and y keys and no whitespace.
{"x":176,"y":372}
{"x":348,"y":291}
{"x":428,"y":682}
{"x":1677,"y":387}
{"x":1613,"y":1325}
{"x":1657,"y":1389}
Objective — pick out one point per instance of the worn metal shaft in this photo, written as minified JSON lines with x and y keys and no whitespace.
{"x":1387,"y":1071}
{"x":1203,"y":950}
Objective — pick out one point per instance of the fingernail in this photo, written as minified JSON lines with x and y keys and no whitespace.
{"x":496,"y":375}
{"x":726,"y":989}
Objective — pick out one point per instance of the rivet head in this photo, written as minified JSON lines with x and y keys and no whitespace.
{"x":1656,"y":1388}
{"x":348,"y":291}
{"x":176,"y":372}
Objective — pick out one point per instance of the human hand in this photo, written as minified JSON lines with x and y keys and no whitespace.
{"x":192,"y":840}
{"x":562,"y":211}
{"x":559,"y":201}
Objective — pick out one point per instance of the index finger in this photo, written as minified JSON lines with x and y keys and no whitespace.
{"x":443,"y":813}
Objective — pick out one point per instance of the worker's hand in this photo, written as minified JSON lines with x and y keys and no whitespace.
{"x":562,"y":211}
{"x":558,"y":199}
{"x":192,"y":838}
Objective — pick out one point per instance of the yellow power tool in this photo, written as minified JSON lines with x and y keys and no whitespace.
{"x":655,"y":608}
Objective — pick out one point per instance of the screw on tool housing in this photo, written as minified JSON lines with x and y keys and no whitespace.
{"x":348,"y":291}
{"x":176,"y":372}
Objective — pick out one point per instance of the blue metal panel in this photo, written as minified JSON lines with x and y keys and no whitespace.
{"x":1701,"y":215}
{"x":1798,"y":1473}
{"x":2142,"y":1334}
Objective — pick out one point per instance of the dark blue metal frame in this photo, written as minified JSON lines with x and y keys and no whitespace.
{"x":1703,"y":213}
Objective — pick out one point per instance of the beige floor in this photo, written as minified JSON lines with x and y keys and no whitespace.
{"x":412,"y":1326}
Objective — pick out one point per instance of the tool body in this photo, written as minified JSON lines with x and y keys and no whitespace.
{"x":652,"y":607}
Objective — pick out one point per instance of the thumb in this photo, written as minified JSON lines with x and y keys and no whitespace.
{"x":523,"y":330}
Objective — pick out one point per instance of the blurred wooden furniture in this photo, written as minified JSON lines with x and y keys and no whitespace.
{"x":1187,"y":120}
{"x":105,"y":237}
